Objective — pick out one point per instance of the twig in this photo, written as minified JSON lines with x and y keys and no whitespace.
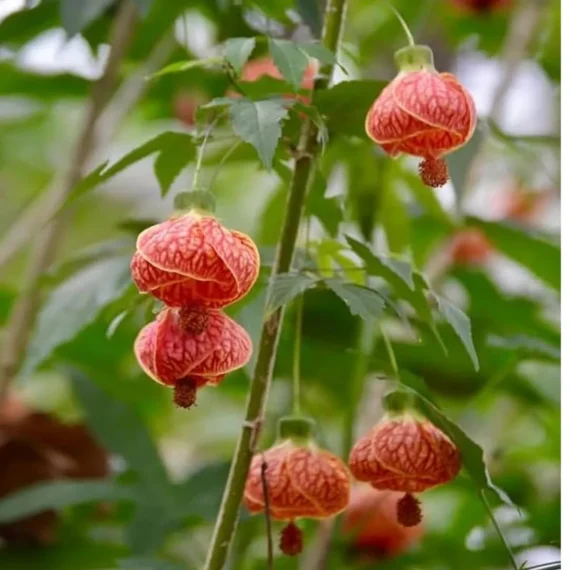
{"x":498,"y":529}
{"x":259,"y":389}
{"x":267,"y":511}
{"x":25,"y":308}
{"x":41,"y":210}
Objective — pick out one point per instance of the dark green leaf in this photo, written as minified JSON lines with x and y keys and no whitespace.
{"x":311,"y":13}
{"x":174,"y":155}
{"x":461,"y":324}
{"x":201,"y":494}
{"x":149,"y":528}
{"x":460,"y":161}
{"x":74,"y":304}
{"x":345,"y":105}
{"x":237,"y":51}
{"x":318,"y":51}
{"x":120,"y":429}
{"x":290,"y":60}
{"x":164,"y":142}
{"x":397,"y":272}
{"x":471,"y":453}
{"x":363,"y":302}
{"x":57,"y":495}
{"x":283,"y":288}
{"x":259,"y":123}
{"x":538,"y":255}
{"x":78,"y":14}
{"x":395,"y":220}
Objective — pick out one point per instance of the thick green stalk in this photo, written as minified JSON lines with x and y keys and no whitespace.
{"x":304,"y":166}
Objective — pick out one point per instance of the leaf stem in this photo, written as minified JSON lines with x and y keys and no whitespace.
{"x":263,"y":372}
{"x":498,"y":529}
{"x":407,"y":31}
{"x":390,"y":350}
{"x":201,"y":152}
{"x":297,"y":357}
{"x":222,"y":161}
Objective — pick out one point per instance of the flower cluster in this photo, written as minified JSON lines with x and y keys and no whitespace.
{"x":422,"y":113}
{"x":406,"y":453}
{"x":195,"y":266}
{"x":302,"y":481}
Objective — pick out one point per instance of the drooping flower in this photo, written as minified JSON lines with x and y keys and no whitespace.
{"x":191,"y":347}
{"x":470,"y":247}
{"x":405,"y":452}
{"x":303,"y":481}
{"x":193,"y":260}
{"x":422,"y":113}
{"x":371,"y":526}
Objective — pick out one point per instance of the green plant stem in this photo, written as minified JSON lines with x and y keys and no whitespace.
{"x":201,"y":152}
{"x":247,"y":442}
{"x":498,"y":529}
{"x":407,"y":31}
{"x":391,"y":355}
{"x":296,"y":392}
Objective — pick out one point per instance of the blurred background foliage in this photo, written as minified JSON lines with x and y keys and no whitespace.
{"x":487,"y":243}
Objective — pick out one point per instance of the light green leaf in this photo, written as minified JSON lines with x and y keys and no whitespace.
{"x":148,"y":564}
{"x":57,"y":495}
{"x":290,"y":60}
{"x":185,"y":65}
{"x":237,"y":51}
{"x":471,"y":453}
{"x":259,"y":124}
{"x":74,"y":304}
{"x":539,"y":256}
{"x":78,"y":14}
{"x":461,"y":324}
{"x":118,"y":428}
{"x":362,"y":301}
{"x":346,"y":104}
{"x":283,"y":288}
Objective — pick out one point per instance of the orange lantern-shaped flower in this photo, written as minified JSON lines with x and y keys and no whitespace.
{"x":371,"y":525}
{"x":405,"y":453}
{"x":422,"y":113}
{"x":302,"y":481}
{"x":194,"y":260}
{"x":191,"y":347}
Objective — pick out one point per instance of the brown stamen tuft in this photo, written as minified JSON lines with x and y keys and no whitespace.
{"x":291,"y":542}
{"x":409,"y":510}
{"x":185,"y":393}
{"x":434,"y":172}
{"x":194,"y":319}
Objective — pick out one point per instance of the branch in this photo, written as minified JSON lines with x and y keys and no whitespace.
{"x":46,"y":206}
{"x":25,"y":308}
{"x":302,"y":174}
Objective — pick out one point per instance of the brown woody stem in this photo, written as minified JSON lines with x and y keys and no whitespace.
{"x":302,"y":174}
